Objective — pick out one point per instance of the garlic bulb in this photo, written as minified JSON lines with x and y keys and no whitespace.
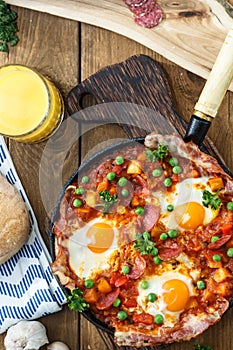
{"x":57,"y":345}
{"x":26,"y":335}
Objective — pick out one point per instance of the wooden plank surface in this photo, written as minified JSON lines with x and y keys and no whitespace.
{"x":190,"y":34}
{"x":68,"y":53}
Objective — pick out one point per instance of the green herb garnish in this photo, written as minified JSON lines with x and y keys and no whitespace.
{"x":157,"y":154}
{"x":211,"y":199}
{"x":143,"y":244}
{"x":107,"y":200}
{"x":8,"y":27}
{"x":202,"y":347}
{"x":76,"y":301}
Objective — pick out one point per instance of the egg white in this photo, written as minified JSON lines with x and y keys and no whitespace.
{"x":189,"y":190}
{"x":82,"y":260}
{"x":159,"y":306}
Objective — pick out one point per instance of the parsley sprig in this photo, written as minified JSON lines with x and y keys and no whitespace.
{"x":8,"y":27}
{"x":157,"y":154}
{"x":143,"y":244}
{"x":76,"y":301}
{"x":202,"y":347}
{"x":211,"y":199}
{"x":107,"y":200}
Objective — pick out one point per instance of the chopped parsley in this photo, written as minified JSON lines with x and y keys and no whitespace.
{"x":202,"y":347}
{"x":157,"y":154}
{"x":8,"y":27}
{"x":143,"y":244}
{"x":211,"y":199}
{"x":107,"y":200}
{"x":76,"y":301}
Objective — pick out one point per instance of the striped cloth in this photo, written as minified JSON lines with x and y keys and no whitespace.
{"x":28,"y":290}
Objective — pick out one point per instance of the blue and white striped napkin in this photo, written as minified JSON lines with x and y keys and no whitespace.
{"x":28,"y":290}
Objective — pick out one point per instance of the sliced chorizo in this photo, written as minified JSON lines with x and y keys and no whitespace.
{"x":167,"y":254}
{"x":107,"y":300}
{"x":220,"y":242}
{"x":138,"y":268}
{"x":150,"y":217}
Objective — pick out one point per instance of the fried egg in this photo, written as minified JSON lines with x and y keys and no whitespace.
{"x":189,"y":212}
{"x":173,"y":290}
{"x":91,"y":245}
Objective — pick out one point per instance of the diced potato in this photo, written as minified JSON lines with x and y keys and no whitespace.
{"x":90,"y":199}
{"x":207,"y":295}
{"x":91,"y":296}
{"x":221,"y":275}
{"x":103,"y":185}
{"x":216,"y":183}
{"x":135,"y":201}
{"x":214,"y":264}
{"x":134,"y":167}
{"x":222,"y":289}
{"x":104,"y":286}
{"x":121,"y":209}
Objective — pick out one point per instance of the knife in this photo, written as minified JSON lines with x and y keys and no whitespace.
{"x":212,"y":94}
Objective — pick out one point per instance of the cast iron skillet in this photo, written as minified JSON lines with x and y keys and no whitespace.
{"x":196,"y":132}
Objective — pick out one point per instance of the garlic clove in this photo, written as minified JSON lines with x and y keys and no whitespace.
{"x":26,"y":335}
{"x":57,"y":345}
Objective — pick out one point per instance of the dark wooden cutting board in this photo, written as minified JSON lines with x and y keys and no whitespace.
{"x":138,"y":80}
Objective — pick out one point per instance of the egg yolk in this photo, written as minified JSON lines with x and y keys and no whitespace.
{"x":101,"y":236}
{"x":189,"y":215}
{"x":176,"y":295}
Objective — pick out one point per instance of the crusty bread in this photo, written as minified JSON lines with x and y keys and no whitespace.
{"x":14,"y":220}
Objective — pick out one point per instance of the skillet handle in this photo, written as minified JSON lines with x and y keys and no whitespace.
{"x":213,"y":92}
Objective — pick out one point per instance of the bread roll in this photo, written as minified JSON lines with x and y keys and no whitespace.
{"x":14,"y":220}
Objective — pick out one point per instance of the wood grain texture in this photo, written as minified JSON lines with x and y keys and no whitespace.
{"x":185,"y":90}
{"x":190,"y":35}
{"x":44,"y":45}
{"x":69,"y":56}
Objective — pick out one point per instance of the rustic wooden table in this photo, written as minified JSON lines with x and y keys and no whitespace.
{"x":68,"y":52}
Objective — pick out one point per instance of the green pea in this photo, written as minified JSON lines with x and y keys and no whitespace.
{"x":125,"y":192}
{"x":151,"y":297}
{"x":173,"y":161}
{"x":79,"y":190}
{"x":216,"y":257}
{"x":154,"y":251}
{"x":85,"y":179}
{"x":172,"y":233}
{"x":89,"y":283}
{"x":117,"y":302}
{"x":158,"y":319}
{"x":214,"y":239}
{"x":122,"y":182}
{"x":230,"y":252}
{"x":111,"y":175}
{"x":157,"y":172}
{"x":119,"y":160}
{"x":200,"y":285}
{"x":77,"y":203}
{"x":170,"y":207}
{"x":122,"y":315}
{"x":163,"y":236}
{"x":144,"y":284}
{"x":177,"y":169}
{"x":125,"y":269}
{"x":157,"y":260}
{"x":139,"y":211}
{"x":230,"y":205}
{"x":167,"y":182}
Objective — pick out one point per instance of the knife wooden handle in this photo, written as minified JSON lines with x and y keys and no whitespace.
{"x":212,"y":94}
{"x":218,"y":81}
